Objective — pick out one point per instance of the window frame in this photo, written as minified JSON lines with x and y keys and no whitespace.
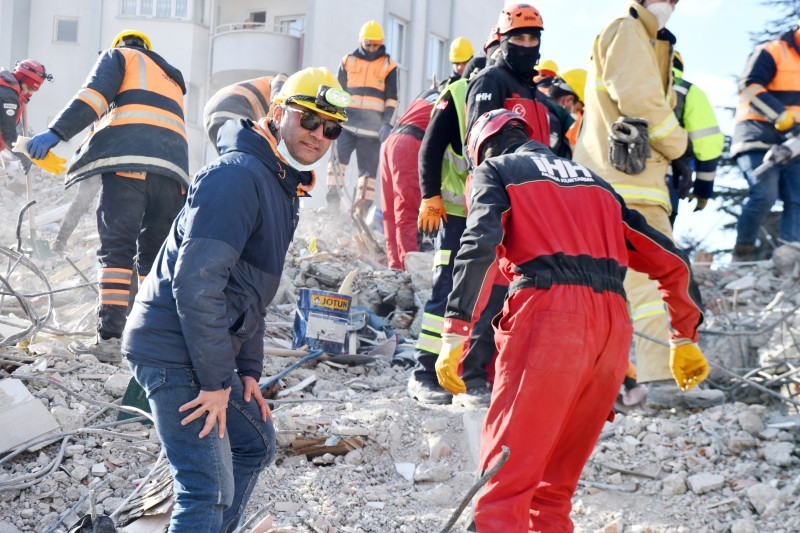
{"x":279,"y":20}
{"x":56,"y":20}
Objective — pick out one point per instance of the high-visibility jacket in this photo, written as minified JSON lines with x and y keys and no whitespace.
{"x":697,"y":117}
{"x":630,"y":74}
{"x":372,"y":84}
{"x":133,"y":99}
{"x":247,"y":99}
{"x":12,"y":105}
{"x":770,"y":85}
{"x":454,"y":164}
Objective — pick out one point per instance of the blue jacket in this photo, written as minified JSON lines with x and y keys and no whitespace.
{"x":203,"y":304}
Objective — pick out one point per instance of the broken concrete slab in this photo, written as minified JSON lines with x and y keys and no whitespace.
{"x":20,"y":410}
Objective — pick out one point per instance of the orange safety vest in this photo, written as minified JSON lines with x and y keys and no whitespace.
{"x":786,"y":80}
{"x":366,"y":82}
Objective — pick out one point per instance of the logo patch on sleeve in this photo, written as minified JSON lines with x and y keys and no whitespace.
{"x":9,"y":106}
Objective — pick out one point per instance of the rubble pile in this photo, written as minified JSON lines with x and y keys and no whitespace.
{"x":355,"y":454}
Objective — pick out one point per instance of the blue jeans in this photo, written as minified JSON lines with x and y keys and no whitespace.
{"x":213,"y":477}
{"x":779,"y":182}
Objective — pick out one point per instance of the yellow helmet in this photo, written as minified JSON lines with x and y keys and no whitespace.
{"x":317,"y":89}
{"x":461,"y":50}
{"x":576,"y":79}
{"x":677,"y":61}
{"x":371,"y":31}
{"x":547,"y":65}
{"x":121,"y":36}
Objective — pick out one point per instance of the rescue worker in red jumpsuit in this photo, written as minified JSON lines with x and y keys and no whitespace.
{"x":400,"y":194}
{"x":564,"y":240}
{"x":16,"y":89}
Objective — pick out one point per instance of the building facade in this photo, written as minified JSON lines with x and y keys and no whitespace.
{"x":219,"y":42}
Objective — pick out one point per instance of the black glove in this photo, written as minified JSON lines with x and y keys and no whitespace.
{"x":682,"y":177}
{"x":386,"y":129}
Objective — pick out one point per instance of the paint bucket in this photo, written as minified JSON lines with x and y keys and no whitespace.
{"x":320,"y":321}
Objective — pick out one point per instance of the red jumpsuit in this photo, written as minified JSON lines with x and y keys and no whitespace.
{"x":400,"y":192}
{"x":564,"y":239}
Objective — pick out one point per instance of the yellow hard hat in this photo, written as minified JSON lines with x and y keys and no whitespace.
{"x":317,"y":89}
{"x":677,"y":61}
{"x":576,"y":79}
{"x":124,"y":34}
{"x":371,"y":31}
{"x":461,"y":50}
{"x":547,"y":64}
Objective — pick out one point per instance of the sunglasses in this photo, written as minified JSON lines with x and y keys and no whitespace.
{"x":331,"y":129}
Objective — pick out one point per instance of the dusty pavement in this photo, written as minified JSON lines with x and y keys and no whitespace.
{"x":394,"y":465}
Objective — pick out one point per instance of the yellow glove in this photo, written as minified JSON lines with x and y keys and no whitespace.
{"x":431,"y":211}
{"x":785,"y":121}
{"x":51,"y":163}
{"x":448,"y":361}
{"x":689,"y":367}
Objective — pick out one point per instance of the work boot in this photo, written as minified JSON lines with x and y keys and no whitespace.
{"x":744,"y":252}
{"x":105,"y":350}
{"x":474,"y":398}
{"x":428,"y":391}
{"x":333,"y":200}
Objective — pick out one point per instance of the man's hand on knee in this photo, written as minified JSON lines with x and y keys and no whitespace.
{"x":212,"y":403}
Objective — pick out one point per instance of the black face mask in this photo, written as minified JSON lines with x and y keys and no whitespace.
{"x":521,"y":59}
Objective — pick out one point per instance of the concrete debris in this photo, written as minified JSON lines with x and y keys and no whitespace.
{"x":355,"y":454}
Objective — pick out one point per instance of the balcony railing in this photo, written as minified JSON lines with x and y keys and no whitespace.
{"x":258,"y":27}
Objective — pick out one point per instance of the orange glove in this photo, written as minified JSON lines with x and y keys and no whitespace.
{"x":431,"y":211}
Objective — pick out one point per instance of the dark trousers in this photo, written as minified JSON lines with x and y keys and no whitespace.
{"x":134,"y":215}
{"x":430,"y":338}
{"x":367,"y":152}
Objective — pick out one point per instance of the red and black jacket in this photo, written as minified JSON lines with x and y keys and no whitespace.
{"x":552,"y":221}
{"x":11,"y":106}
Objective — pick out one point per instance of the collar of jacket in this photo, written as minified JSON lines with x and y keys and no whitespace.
{"x":791,"y":40}
{"x":359,"y":53}
{"x":168,"y":69}
{"x":248,"y":138}
{"x":638,"y":11}
{"x":7,"y":79}
{"x":500,"y":62}
{"x":666,"y":35}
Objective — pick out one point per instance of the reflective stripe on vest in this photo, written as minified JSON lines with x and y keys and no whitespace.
{"x":454,"y":167}
{"x":93,"y":99}
{"x":787,"y":74}
{"x":635,"y":195}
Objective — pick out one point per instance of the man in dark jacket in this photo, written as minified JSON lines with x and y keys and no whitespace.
{"x":564,"y":239}
{"x":133,"y":101}
{"x":195,"y":335}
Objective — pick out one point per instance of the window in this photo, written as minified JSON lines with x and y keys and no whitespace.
{"x":396,"y":39}
{"x":127,"y":7}
{"x":258,"y":17}
{"x":163,"y":9}
{"x":200,"y":11}
{"x":434,"y":59}
{"x":66,"y":30}
{"x":292,"y":25}
{"x":193,"y":104}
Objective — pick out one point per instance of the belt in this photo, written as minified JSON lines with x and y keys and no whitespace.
{"x":409,"y":129}
{"x":560,"y":269}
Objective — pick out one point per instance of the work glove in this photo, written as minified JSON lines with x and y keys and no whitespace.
{"x":785,"y":121}
{"x":40,"y":144}
{"x":51,"y":162}
{"x":682,"y":177}
{"x":431,"y":211}
{"x":689,"y":367}
{"x":386,"y":129}
{"x":454,"y":337}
